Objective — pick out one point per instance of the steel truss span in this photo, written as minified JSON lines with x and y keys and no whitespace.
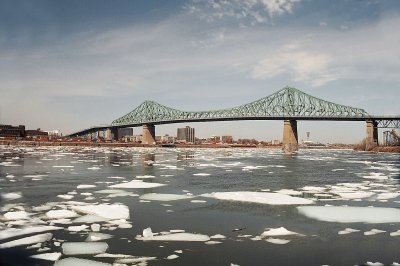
{"x":284,"y":104}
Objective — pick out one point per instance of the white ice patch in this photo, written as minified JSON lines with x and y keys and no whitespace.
{"x":201,"y":174}
{"x":145,"y":176}
{"x":355,"y":195}
{"x":344,"y":214}
{"x":114,"y":211}
{"x":172,"y":257}
{"x":212,"y":242}
{"x":290,"y":192}
{"x":47,"y":256}
{"x":85,"y":186}
{"x":97,"y":237}
{"x":259,"y":197}
{"x":164,"y":197}
{"x":198,"y":201}
{"x":388,"y":195}
{"x":11,"y":196}
{"x":348,"y":231}
{"x":373,"y":232}
{"x":137,"y":184}
{"x":17,"y":215}
{"x":277,"y":241}
{"x":80,"y":248}
{"x":59,"y":214}
{"x":396,"y":233}
{"x":67,"y":197}
{"x":218,"y":236}
{"x":281,"y":231}
{"x":28,"y":240}
{"x":80,"y":262}
{"x":13,"y":232}
{"x":77,"y":228}
{"x":149,"y":236}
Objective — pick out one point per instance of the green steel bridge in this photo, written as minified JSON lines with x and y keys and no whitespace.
{"x":288,"y":104}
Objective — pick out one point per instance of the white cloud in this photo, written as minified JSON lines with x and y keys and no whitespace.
{"x":250,"y":12}
{"x":307,"y":67}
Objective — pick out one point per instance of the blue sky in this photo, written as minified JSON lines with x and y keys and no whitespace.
{"x":72,"y":64}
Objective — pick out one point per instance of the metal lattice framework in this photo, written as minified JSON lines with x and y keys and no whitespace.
{"x":284,"y":104}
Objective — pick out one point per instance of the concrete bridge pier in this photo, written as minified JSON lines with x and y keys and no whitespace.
{"x":290,"y":138}
{"x":149,"y":134}
{"x":111,"y":134}
{"x":372,"y":134}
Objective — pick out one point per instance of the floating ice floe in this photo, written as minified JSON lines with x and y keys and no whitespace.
{"x":172,"y":257}
{"x":290,"y":192}
{"x":145,"y":176}
{"x":218,"y":236}
{"x":90,"y":219}
{"x":80,"y":262}
{"x":345,"y":214}
{"x":396,"y":233}
{"x":136,"y":260}
{"x":28,"y":240}
{"x":281,"y":231}
{"x":137,"y":184}
{"x":259,"y":197}
{"x":47,"y":256}
{"x":14,"y":232}
{"x":164,"y":197}
{"x":85,"y":186}
{"x":387,"y":195}
{"x":81,"y":248}
{"x":17,"y":215}
{"x":59,"y":214}
{"x":370,"y":263}
{"x":198,"y":201}
{"x":355,"y":195}
{"x":213,"y":242}
{"x":148,"y":235}
{"x":114,"y":211}
{"x":63,"y":166}
{"x":93,"y":236}
{"x":77,"y":228}
{"x":67,"y":197}
{"x":373,"y":232}
{"x":348,"y":231}
{"x":10,"y":196}
{"x":201,"y":174}
{"x":277,"y":241}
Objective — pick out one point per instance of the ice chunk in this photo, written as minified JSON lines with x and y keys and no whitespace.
{"x":345,"y":214}
{"x":11,"y":196}
{"x":198,"y":201}
{"x":97,"y":236}
{"x":18,"y":215}
{"x":67,"y":197}
{"x":396,"y":233}
{"x":85,"y":186}
{"x":63,"y":166}
{"x":373,"y":232}
{"x":89,"y":219}
{"x":48,"y":256}
{"x":281,"y":231}
{"x":139,"y":260}
{"x":218,"y":236}
{"x":369,"y":263}
{"x":28,"y":240}
{"x":114,"y":211}
{"x":164,"y":197}
{"x":290,"y":192}
{"x":348,"y":231}
{"x":13,"y":232}
{"x":277,"y":241}
{"x":59,"y":214}
{"x":177,"y":237}
{"x":388,"y":195}
{"x":172,"y":257}
{"x":145,"y":176}
{"x":95,"y":227}
{"x":355,"y":195}
{"x":212,"y":242}
{"x":201,"y":174}
{"x":147,"y":233}
{"x":137,"y":184}
{"x":259,"y":197}
{"x":77,"y":228}
{"x":79,"y":248}
{"x":80,"y":262}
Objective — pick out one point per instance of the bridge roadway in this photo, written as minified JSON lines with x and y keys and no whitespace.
{"x":288,"y":104}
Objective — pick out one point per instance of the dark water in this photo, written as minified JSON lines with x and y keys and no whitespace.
{"x":31,"y":173}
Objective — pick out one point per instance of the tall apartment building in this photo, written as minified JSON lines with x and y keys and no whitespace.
{"x":186,"y":134}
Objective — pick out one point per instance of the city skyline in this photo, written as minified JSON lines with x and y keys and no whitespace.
{"x":70,"y":65}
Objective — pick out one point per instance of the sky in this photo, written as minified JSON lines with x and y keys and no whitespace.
{"x":73,"y":64}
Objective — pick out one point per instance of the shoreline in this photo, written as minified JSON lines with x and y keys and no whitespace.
{"x":25,"y":143}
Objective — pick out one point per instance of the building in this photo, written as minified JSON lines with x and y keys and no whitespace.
{"x":36,"y":133}
{"x":8,"y":131}
{"x":186,"y":134}
{"x":227,"y":139}
{"x":125,"y":132}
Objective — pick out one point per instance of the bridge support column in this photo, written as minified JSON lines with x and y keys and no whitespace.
{"x":111,"y":134}
{"x":149,"y":134}
{"x":372,"y":134}
{"x":290,"y":138}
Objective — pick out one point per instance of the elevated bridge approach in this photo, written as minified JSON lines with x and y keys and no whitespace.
{"x":288,"y":104}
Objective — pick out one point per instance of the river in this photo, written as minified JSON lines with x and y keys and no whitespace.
{"x":141,"y":206}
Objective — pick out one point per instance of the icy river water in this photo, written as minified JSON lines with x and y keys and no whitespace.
{"x":136,"y":206}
